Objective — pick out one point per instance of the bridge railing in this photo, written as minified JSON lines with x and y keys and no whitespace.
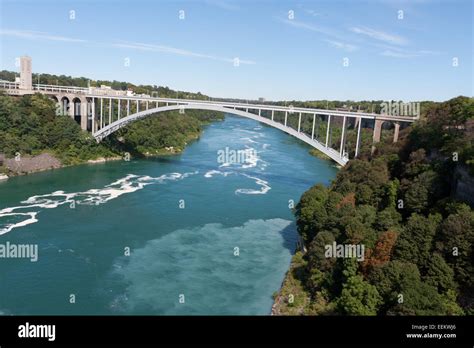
{"x":61,"y":89}
{"x":9,"y":85}
{"x":96,"y":93}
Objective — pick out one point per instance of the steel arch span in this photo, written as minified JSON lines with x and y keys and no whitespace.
{"x":118,"y":124}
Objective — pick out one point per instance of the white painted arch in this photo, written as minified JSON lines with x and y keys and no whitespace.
{"x":114,"y":126}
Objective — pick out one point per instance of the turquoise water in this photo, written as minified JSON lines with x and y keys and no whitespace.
{"x":205,"y":237}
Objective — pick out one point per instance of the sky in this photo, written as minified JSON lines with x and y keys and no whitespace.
{"x":278,"y":50}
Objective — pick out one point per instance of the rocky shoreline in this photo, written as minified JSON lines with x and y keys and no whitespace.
{"x":33,"y":164}
{"x":22,"y":165}
{"x":25,"y":165}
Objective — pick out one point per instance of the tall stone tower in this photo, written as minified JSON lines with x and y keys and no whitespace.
{"x":25,"y":73}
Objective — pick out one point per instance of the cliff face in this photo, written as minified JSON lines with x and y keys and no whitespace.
{"x":464,"y":186}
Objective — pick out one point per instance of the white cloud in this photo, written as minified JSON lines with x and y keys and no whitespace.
{"x":225,"y":5}
{"x":312,"y":12}
{"x":429,"y":52}
{"x":328,"y":32}
{"x":379,"y":35}
{"x":341,"y":45}
{"x":37,"y":35}
{"x":398,"y":54}
{"x":177,"y":51}
{"x":307,"y":26}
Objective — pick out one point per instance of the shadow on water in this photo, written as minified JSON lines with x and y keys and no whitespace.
{"x":290,"y":237}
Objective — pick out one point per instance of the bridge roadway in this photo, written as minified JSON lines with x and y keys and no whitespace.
{"x":102,"y":126}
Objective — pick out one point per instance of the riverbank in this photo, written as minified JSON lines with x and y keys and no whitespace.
{"x":24,"y":165}
{"x":46,"y":161}
{"x":49,"y":142}
{"x":291,"y":299}
{"x":319,"y":154}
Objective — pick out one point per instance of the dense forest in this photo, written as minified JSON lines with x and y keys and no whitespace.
{"x":400,"y":204}
{"x":29,"y":126}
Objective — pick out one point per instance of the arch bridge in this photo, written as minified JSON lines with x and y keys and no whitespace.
{"x":103,"y":112}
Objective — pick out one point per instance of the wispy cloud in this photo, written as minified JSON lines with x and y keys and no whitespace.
{"x":396,"y":52}
{"x":312,"y":12}
{"x":341,"y":45}
{"x":225,"y":5}
{"x":379,"y":35}
{"x":37,"y":35}
{"x":322,"y":30}
{"x":429,"y":52}
{"x":308,"y":26}
{"x":177,"y":51}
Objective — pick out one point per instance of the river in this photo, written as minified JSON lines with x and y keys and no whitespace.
{"x":205,"y":236}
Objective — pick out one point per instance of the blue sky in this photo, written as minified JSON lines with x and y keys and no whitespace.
{"x":280,"y":56}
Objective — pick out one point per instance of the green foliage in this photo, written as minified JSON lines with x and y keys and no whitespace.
{"x":456,"y":243}
{"x":311,"y":212}
{"x":439,"y":274}
{"x":358,"y":297}
{"x":406,"y":190}
{"x":29,"y":125}
{"x":416,"y":240}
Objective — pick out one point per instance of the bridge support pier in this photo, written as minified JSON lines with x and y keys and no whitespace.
{"x":396,"y":132}
{"x":286,"y":117}
{"x":358,"y":122}
{"x":299,"y":123}
{"x":314,"y":120}
{"x":101,"y":113}
{"x":94,"y":125}
{"x":70,"y":108}
{"x":110,"y":110}
{"x":84,"y":113}
{"x":377,"y":133}
{"x":327,"y":131}
{"x":377,"y":130}
{"x":342,"y":136}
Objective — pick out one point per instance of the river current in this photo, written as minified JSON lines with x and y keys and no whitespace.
{"x":178,"y":235}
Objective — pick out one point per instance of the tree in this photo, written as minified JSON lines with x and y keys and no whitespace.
{"x":382,"y":252}
{"x":416,"y":240}
{"x":311,"y":212}
{"x":456,"y":236}
{"x":359,"y":297}
{"x":421,"y":192}
{"x":439,"y":274}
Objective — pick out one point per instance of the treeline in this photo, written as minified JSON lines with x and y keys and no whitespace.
{"x":63,"y":80}
{"x":29,"y":126}
{"x":399,"y":204}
